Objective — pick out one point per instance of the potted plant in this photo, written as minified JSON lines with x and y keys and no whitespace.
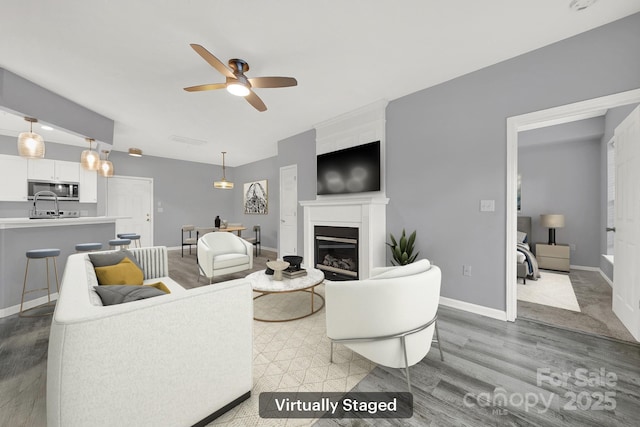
{"x":402,"y":249}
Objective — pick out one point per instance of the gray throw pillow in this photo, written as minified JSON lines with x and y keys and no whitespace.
{"x":105,"y":259}
{"x":118,"y":294}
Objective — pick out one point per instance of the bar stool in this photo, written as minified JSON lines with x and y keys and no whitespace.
{"x":88,"y":247}
{"x":119,"y":243}
{"x":40,"y":254}
{"x":131,"y":236}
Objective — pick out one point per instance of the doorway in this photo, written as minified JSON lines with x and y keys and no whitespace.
{"x":534,"y":120}
{"x":132,"y":198}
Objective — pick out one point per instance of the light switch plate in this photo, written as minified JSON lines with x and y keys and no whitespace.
{"x":487,"y":205}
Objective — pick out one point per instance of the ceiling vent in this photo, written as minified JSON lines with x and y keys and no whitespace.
{"x":186,"y":140}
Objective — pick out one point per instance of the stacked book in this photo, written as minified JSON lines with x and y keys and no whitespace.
{"x":291,"y":273}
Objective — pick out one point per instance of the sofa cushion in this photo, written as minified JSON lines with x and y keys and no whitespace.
{"x":405,"y":270}
{"x":123,"y":273}
{"x":118,"y":294}
{"x":104,"y":259}
{"x":159,"y":285}
{"x":230,"y":260}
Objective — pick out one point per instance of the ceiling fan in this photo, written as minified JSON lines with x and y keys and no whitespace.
{"x":237,"y":83}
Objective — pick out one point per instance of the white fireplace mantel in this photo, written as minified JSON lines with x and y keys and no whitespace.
{"x":368,"y":214}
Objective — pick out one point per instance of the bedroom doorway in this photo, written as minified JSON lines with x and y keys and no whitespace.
{"x":534,"y":120}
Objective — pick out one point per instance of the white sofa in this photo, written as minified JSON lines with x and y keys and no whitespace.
{"x":179,"y":359}
{"x":222,"y":252}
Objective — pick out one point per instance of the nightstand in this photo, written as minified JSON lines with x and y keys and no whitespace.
{"x":553,"y":257}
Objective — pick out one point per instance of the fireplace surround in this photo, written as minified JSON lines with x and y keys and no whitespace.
{"x":366,"y":214}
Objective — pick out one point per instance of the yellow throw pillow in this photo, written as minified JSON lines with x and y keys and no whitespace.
{"x":161,"y":286}
{"x":123,"y":273}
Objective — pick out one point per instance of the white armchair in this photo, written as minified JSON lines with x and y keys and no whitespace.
{"x":389,"y":318}
{"x":222,"y":253}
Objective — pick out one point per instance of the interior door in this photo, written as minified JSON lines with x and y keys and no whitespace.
{"x":288,"y":242}
{"x":626,"y":269}
{"x":132,"y":198}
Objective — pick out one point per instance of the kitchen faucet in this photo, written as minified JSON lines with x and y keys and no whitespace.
{"x":47,"y":193}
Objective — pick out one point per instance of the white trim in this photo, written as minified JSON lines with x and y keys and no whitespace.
{"x":516,"y":123}
{"x":14,"y":309}
{"x":177,"y":248}
{"x":474,"y":308}
{"x":583,"y":267}
{"x":604,"y":276}
{"x":6,"y":223}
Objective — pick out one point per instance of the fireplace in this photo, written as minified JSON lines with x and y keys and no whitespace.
{"x":336,"y":252}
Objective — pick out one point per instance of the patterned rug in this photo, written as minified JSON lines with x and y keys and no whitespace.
{"x":294,"y":356}
{"x":552,"y":289}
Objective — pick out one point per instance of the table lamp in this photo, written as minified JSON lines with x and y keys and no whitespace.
{"x":552,"y":221}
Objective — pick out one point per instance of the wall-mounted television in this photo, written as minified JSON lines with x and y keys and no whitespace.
{"x":351,"y":170}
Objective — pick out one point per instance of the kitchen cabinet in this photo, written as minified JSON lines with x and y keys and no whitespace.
{"x":13,"y":176}
{"x":53,"y":170}
{"x":88,"y":186}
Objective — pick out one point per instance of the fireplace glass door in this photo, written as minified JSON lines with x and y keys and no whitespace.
{"x":337,"y":252}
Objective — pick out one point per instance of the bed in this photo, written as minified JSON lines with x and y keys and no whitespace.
{"x":527,"y":265}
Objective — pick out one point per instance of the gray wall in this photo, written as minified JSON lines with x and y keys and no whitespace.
{"x":564,"y":178}
{"x":183,"y":189}
{"x":256,"y":171}
{"x":446,"y":149}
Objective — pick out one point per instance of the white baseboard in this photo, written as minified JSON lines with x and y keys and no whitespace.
{"x":604,"y":276}
{"x":177,"y":248}
{"x":474,"y":308}
{"x":9,"y":311}
{"x":581,"y":267}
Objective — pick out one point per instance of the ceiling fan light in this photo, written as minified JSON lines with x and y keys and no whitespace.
{"x":238,"y":89}
{"x":30,"y":144}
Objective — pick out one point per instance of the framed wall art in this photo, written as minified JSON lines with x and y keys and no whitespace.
{"x":255,"y":197}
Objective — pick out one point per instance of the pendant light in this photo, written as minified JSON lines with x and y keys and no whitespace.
{"x":106,"y":167}
{"x":135,"y":152}
{"x":90,"y":159}
{"x":30,"y":145}
{"x":223,"y":184}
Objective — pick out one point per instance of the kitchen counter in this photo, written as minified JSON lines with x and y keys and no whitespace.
{"x":18,"y":235}
{"x":55,"y":222}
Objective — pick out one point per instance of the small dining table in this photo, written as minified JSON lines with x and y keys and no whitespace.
{"x":205,"y":230}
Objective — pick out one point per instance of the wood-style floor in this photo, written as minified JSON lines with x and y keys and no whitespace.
{"x":489,"y":361}
{"x":481,"y":355}
{"x":596,"y":316}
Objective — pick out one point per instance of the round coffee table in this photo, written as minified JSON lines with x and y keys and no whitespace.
{"x":261,"y":282}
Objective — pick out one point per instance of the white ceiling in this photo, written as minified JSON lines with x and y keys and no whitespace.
{"x":130,"y":60}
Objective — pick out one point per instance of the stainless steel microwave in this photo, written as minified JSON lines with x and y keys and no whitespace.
{"x":64,"y":190}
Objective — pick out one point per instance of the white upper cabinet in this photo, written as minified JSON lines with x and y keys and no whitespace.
{"x":53,"y":170}
{"x":88,"y":186}
{"x":13,"y":175}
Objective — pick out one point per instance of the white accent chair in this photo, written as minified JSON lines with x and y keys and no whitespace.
{"x":221,"y":253}
{"x":389,"y":318}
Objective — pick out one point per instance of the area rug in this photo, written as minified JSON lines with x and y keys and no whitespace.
{"x":294,"y":356}
{"x":552,"y":289}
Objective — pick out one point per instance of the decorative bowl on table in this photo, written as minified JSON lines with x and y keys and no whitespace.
{"x":277,"y":267}
{"x":294,"y":261}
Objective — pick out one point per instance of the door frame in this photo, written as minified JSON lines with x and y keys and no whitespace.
{"x":534,"y":120}
{"x":134,"y":178}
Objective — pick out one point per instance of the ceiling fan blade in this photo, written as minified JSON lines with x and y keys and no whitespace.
{"x":255,"y":100}
{"x":200,"y":88}
{"x":212,"y":60}
{"x":265,"y":82}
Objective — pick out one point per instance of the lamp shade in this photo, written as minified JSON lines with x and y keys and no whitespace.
{"x":106,"y":167}
{"x":90,"y":160}
{"x":552,"y":220}
{"x":30,"y":144}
